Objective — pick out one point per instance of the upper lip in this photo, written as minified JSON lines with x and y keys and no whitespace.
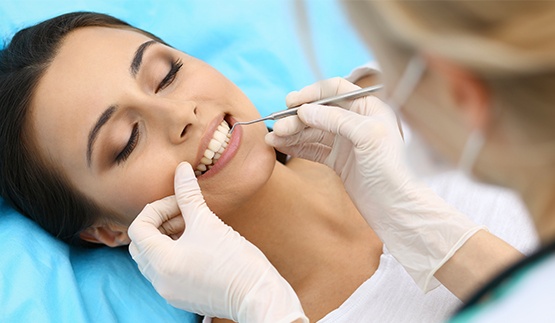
{"x":206,"y":137}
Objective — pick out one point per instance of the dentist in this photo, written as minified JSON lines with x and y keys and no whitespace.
{"x":475,"y":80}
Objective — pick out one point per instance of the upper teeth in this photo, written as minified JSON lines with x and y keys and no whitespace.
{"x":216,"y":147}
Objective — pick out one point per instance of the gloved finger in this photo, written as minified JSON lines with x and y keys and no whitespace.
{"x":153,"y":215}
{"x":320,"y":90}
{"x":309,"y":135}
{"x":147,"y":254}
{"x":288,"y":126}
{"x":188,"y":194}
{"x":314,"y":151}
{"x":173,"y":227}
{"x":357,"y":128}
{"x":144,"y":232}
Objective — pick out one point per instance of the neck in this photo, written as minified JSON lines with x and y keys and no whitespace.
{"x":290,"y":208}
{"x":306,"y":225}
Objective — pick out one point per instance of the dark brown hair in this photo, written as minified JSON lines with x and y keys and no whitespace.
{"x":32,"y":185}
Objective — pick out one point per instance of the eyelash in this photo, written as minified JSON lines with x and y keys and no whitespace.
{"x":168,"y":79}
{"x":130,"y":146}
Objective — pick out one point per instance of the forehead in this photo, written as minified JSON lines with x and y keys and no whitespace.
{"x":91,"y":49}
{"x":84,"y":57}
{"x":84,"y":78}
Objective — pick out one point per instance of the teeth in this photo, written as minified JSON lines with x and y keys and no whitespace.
{"x":209,"y":153}
{"x":216,"y":147}
{"x":219,"y":136}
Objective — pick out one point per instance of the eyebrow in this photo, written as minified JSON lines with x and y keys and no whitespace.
{"x":138,"y":57}
{"x":93,"y":134}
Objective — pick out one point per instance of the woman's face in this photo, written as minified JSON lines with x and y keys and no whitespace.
{"x":116,"y":112}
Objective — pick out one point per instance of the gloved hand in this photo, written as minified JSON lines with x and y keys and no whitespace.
{"x":362,"y":142}
{"x":211,"y":269}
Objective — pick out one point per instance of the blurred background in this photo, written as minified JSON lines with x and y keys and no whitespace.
{"x":267,"y":47}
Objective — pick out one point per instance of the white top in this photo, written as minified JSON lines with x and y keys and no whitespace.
{"x":391,"y":295}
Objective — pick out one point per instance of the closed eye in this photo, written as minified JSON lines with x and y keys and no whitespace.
{"x":170,"y":77}
{"x":130,"y":146}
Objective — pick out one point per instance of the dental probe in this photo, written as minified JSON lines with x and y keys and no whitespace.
{"x":293,"y":111}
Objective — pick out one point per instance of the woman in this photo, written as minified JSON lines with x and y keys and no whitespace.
{"x":478,"y":86}
{"x":97,"y":115}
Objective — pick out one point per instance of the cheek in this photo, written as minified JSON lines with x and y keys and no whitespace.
{"x":141,"y":186}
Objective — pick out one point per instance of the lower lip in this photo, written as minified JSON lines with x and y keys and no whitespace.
{"x":228,"y":153}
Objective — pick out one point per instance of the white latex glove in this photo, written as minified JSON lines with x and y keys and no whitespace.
{"x":361,"y":141}
{"x":211,"y":269}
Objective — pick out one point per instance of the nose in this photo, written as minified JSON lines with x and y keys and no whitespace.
{"x":175,"y":119}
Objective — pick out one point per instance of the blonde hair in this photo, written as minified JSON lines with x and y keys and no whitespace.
{"x":491,"y":36}
{"x":509,"y":44}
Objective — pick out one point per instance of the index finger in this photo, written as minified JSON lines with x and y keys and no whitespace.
{"x":319,"y":90}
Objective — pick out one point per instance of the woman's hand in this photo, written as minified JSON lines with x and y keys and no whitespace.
{"x":361,"y":141}
{"x":210,"y":269}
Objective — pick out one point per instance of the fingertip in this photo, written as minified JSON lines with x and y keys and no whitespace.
{"x":292,"y":98}
{"x":269,"y":138}
{"x":288,"y":126}
{"x":280,"y":127}
{"x":165,"y":204}
{"x":183,"y":168}
{"x":187,"y":190}
{"x":183,"y":173}
{"x":156,"y":212}
{"x":307,"y":112}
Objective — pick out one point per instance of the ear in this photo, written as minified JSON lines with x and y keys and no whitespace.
{"x":112,"y":235}
{"x":468,"y":91}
